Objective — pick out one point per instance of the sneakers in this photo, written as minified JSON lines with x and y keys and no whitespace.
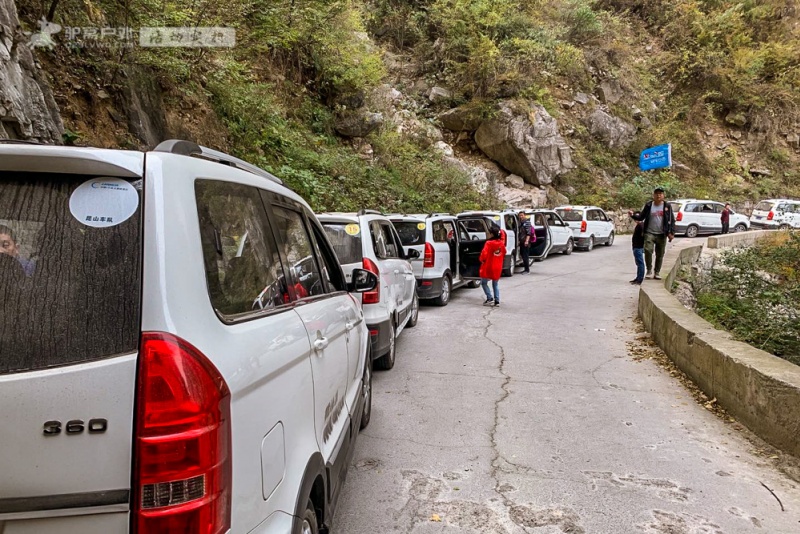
{"x":656,"y":276}
{"x":496,"y":303}
{"x":635,"y":282}
{"x":525,"y":272}
{"x":649,"y":274}
{"x":488,"y":302}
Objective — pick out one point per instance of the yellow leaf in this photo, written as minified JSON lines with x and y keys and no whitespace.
{"x":436,"y":518}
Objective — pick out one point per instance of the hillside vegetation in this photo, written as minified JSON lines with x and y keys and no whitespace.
{"x":717,"y":79}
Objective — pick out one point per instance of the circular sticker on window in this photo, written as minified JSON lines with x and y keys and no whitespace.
{"x":104,"y":202}
{"x":421,"y":226}
{"x":352,"y":229}
{"x":496,"y":217}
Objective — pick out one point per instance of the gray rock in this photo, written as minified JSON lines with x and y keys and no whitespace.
{"x":735,"y":135}
{"x":566,"y":104}
{"x":636,"y":113}
{"x":357,"y":123}
{"x":461,"y":119}
{"x":103,"y":95}
{"x":444,"y":148}
{"x":737,"y":119}
{"x":29,"y":109}
{"x":615,"y":132}
{"x":645,"y":123}
{"x":610,"y":91}
{"x":760,"y":172}
{"x":144,"y":105}
{"x":439,"y":94}
{"x":526,"y":142}
{"x":512,"y":180}
{"x":582,"y":98}
{"x":554,"y":198}
{"x":794,"y":140}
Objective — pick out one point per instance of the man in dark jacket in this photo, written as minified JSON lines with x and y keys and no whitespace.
{"x":725,"y":219}
{"x":659,"y":226}
{"x":525,"y":242}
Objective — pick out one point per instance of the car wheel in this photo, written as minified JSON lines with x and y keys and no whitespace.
{"x":590,"y":246}
{"x":444,"y":298}
{"x":570,"y":247}
{"x":610,"y":240}
{"x":308,"y":521}
{"x":692,"y":231}
{"x":783,"y":227}
{"x":510,"y":271}
{"x":412,"y":321}
{"x":740,"y":228}
{"x":386,"y":361}
{"x":366,"y":392}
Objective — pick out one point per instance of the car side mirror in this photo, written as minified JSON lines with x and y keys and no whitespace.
{"x":362,"y":281}
{"x":412,"y":254}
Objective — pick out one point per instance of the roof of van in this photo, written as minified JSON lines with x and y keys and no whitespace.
{"x":575,"y":207}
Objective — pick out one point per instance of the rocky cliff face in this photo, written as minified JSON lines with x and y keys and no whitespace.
{"x":27,"y":108}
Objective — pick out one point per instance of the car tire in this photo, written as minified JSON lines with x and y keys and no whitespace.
{"x":570,"y":247}
{"x":308,"y":521}
{"x":444,"y":297}
{"x":740,"y":228}
{"x":610,"y":240}
{"x":366,"y":391}
{"x":590,"y":246}
{"x":386,"y":361}
{"x":412,"y":321}
{"x":510,"y":271}
{"x":692,"y":231}
{"x":783,"y":227}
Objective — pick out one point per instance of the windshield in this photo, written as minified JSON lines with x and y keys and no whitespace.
{"x":346,"y":241}
{"x":410,"y":232}
{"x":571,"y":215}
{"x":70,"y":269}
{"x":764,"y":206}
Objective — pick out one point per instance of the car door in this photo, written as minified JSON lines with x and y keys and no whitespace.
{"x":404,"y":273}
{"x":559,"y":232}
{"x":608,"y":223}
{"x":715,"y":218}
{"x":544,"y":239}
{"x":469,"y":250}
{"x":324,"y":317}
{"x":388,"y":278}
{"x":514,"y":238}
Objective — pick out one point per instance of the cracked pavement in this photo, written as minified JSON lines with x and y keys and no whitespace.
{"x":534,"y":418}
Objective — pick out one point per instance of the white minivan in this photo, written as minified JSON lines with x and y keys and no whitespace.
{"x":590,"y":225}
{"x":694,"y":217}
{"x":776,"y":214}
{"x":552,"y":234}
{"x":368,"y":240}
{"x":179,"y":349}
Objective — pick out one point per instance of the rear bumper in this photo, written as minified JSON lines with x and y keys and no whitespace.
{"x":379,"y":338}
{"x":429,"y":288}
{"x":764,"y":225}
{"x":581,"y":241}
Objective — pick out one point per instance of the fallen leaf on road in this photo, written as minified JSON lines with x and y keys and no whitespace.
{"x":436,"y":518}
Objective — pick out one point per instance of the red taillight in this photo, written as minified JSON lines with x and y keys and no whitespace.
{"x":583,"y":226}
{"x":430,"y":256}
{"x":374,"y":296}
{"x":771,"y":215}
{"x":182,"y":444}
{"x":679,"y":217}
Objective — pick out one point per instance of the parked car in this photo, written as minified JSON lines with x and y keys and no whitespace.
{"x":776,"y":214}
{"x":368,"y":240}
{"x":508,"y":221}
{"x":552,"y":234}
{"x":590,"y":225}
{"x":436,"y":237}
{"x":184,"y":356}
{"x":694,"y":217}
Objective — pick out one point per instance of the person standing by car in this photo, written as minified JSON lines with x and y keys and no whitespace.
{"x":525,"y":242}
{"x":725,"y":218}
{"x":659,"y":226}
{"x":491,"y":259}
{"x":638,"y":250}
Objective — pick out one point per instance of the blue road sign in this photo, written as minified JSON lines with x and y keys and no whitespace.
{"x":656,"y":157}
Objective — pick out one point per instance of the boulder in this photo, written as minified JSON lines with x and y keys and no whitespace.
{"x":613,"y":131}
{"x":29,"y":109}
{"x":610,"y":91}
{"x":736,"y":119}
{"x":526,"y":142}
{"x":554,"y":198}
{"x":566,"y":104}
{"x":444,"y":148}
{"x":760,"y":172}
{"x":582,"y":98}
{"x":645,"y":123}
{"x":461,"y":119}
{"x":512,"y":180}
{"x":357,"y":123}
{"x":438,"y":94}
{"x":525,"y":197}
{"x":422,"y":132}
{"x":794,"y":140}
{"x":636,"y":113}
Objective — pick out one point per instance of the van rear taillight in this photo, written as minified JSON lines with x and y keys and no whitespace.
{"x":679,"y":217}
{"x":182,"y":445}
{"x":771,"y":215}
{"x":430,"y":256}
{"x":374,"y":296}
{"x":583,"y":226}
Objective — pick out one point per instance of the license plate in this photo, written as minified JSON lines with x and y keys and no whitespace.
{"x":759,"y":217}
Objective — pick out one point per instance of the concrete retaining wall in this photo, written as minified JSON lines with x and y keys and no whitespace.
{"x":760,"y":390}
{"x":739,"y":239}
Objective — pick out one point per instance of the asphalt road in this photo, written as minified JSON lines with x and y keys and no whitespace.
{"x":535,"y":418}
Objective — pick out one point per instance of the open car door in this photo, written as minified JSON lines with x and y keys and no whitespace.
{"x":544,"y":239}
{"x":469,"y":250}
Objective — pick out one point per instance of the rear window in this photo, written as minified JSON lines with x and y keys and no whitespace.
{"x":70,"y":269}
{"x":411,"y":233}
{"x":676,"y":206}
{"x":346,"y":241}
{"x":764,"y":206}
{"x":571,"y":215}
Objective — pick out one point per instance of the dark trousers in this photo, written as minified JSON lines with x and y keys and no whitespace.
{"x":526,"y":258}
{"x":638,"y":256}
{"x":654,"y":243}
{"x":725,"y":227}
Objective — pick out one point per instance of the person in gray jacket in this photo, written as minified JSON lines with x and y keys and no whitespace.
{"x":658,"y":220}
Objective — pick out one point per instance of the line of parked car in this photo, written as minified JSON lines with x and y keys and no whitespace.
{"x":186,"y":346}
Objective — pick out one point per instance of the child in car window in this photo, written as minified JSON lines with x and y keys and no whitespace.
{"x":492,"y":255}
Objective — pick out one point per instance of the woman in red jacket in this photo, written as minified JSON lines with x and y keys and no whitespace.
{"x":492,"y":255}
